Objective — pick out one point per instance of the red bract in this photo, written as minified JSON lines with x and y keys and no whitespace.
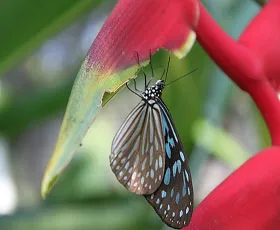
{"x":143,"y":26}
{"x":247,"y":68}
{"x":262,"y":37}
{"x":248,"y":199}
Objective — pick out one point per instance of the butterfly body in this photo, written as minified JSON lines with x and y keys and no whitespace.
{"x":148,"y":158}
{"x":152,"y":94}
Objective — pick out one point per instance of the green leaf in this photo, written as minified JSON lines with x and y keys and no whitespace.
{"x":89,"y":88}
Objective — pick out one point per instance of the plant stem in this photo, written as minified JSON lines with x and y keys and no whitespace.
{"x":243,"y":67}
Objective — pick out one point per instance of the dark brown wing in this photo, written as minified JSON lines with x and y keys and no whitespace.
{"x":173,"y":200}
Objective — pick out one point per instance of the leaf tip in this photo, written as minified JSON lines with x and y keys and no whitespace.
{"x":47,"y":184}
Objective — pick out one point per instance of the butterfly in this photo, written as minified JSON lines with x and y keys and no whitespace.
{"x":148,"y":157}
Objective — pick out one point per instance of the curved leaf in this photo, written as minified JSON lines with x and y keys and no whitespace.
{"x":135,"y":28}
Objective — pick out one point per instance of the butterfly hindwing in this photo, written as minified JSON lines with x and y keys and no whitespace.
{"x":138,"y":153}
{"x":173,"y":200}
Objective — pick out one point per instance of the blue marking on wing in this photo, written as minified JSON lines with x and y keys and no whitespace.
{"x":179,"y":166}
{"x":171,"y":141}
{"x":168,"y":150}
{"x":182,"y":156}
{"x":167,"y":176}
{"x":172,"y":192}
{"x":177,"y":198}
{"x":167,"y":124}
{"x":174,"y":168}
{"x":187,"y":175}
{"x":184,"y":190}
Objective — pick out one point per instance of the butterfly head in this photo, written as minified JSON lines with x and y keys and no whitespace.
{"x":160,"y":84}
{"x":153,"y":93}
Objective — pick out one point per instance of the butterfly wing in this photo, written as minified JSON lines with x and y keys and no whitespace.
{"x":173,"y":200}
{"x":138,"y":154}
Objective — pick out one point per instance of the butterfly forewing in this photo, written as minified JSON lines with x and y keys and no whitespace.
{"x":138,"y":153}
{"x":173,"y":200}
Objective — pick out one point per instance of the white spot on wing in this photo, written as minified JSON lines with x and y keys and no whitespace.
{"x":123,"y":160}
{"x":133,"y":176}
{"x":160,"y":161}
{"x":144,"y":163}
{"x":151,"y":155}
{"x":152,"y":173}
{"x":136,"y":160}
{"x":156,"y":165}
{"x":126,"y":165}
{"x":181,"y":213}
{"x":147,"y":174}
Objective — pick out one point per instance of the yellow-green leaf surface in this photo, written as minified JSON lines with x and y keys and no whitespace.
{"x":84,"y":104}
{"x":112,"y":60}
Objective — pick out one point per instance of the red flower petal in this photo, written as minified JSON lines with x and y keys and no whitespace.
{"x":143,"y":26}
{"x":262,"y":36}
{"x":248,"y":199}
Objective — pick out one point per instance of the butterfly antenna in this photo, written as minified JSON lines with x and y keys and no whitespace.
{"x":152,"y":69}
{"x":162,"y":73}
{"x":182,"y":76}
{"x":141,"y":68}
{"x":167,"y":68}
{"x":151,"y":63}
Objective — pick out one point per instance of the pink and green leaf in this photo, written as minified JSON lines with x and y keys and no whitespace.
{"x":134,"y":26}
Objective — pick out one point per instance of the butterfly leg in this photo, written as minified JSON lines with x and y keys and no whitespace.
{"x":135,"y":92}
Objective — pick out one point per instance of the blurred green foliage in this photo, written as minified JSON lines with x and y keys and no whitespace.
{"x":26,"y":24}
{"x":33,"y":107}
{"x":88,"y":196}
